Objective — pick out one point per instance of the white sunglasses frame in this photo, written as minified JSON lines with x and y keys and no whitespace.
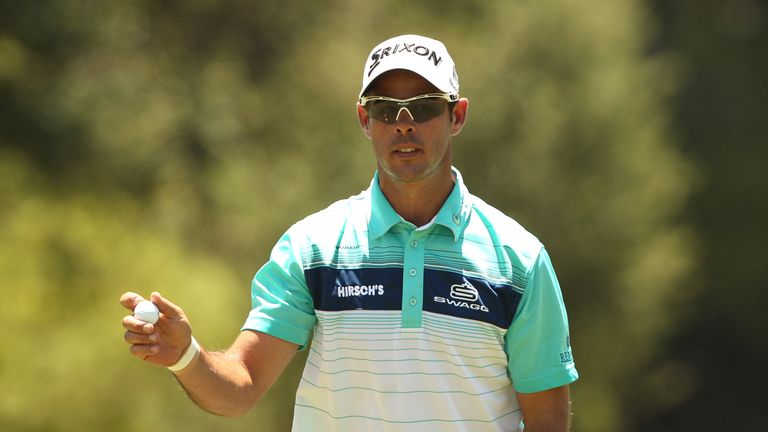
{"x":446,"y":96}
{"x":404,"y":102}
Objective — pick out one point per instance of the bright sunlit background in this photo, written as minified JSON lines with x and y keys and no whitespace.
{"x":165,"y":145}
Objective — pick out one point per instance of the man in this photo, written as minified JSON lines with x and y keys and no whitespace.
{"x":428,"y":309}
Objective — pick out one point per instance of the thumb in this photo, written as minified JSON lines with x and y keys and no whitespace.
{"x":129,"y":300}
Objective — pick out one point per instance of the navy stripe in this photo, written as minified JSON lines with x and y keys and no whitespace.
{"x":336,"y":290}
{"x":457,"y":295}
{"x":445,"y":293}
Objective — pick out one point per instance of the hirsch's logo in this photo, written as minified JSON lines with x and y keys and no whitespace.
{"x":464,"y":296}
{"x":358,"y":290}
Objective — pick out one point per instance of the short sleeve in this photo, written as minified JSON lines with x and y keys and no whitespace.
{"x":538,"y":342}
{"x":281,"y":304}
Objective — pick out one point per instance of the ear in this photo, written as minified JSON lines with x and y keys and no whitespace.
{"x":459,"y":117}
{"x":365,"y":121}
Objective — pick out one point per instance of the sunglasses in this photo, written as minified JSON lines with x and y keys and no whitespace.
{"x":420,"y":108}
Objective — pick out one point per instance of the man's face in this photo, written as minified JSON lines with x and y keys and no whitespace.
{"x":407,"y":151}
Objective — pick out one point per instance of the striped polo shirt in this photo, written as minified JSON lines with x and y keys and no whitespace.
{"x":431,"y":328}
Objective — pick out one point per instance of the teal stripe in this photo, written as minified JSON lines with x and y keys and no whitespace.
{"x":353,"y":317}
{"x":507,"y":386}
{"x":376,"y":322}
{"x":379,"y":373}
{"x":398,"y":340}
{"x":517,"y":282}
{"x":395,"y":340}
{"x":360,"y":315}
{"x":398,"y":264}
{"x":497,"y":338}
{"x":359,"y":326}
{"x":448,"y":353}
{"x":445,"y":329}
{"x":434,"y":255}
{"x":413,"y":359}
{"x":496,"y":333}
{"x":440,"y":336}
{"x":449,"y":327}
{"x":467,"y":268}
{"x":434,"y":420}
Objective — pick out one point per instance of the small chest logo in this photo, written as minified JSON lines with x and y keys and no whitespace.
{"x":358,"y":290}
{"x":464,"y":292}
{"x":464,"y":296}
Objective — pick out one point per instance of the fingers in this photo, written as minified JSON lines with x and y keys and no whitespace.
{"x":144,"y":351}
{"x":136,"y":325}
{"x":161,"y":343}
{"x":141,"y":335}
{"x":129,"y":300}
{"x":167,"y":308}
{"x":141,"y":338}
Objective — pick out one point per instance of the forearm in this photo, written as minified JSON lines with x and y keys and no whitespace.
{"x":219,"y":382}
{"x":546,"y":411}
{"x":555,"y":425}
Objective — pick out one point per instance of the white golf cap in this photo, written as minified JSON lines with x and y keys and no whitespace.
{"x":422,"y":55}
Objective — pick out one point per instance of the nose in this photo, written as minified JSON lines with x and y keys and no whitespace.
{"x":404,"y":124}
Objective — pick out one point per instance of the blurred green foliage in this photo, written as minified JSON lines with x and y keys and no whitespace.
{"x":720,"y":111}
{"x":165,"y":145}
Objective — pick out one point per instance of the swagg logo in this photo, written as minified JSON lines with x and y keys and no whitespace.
{"x":463,"y":296}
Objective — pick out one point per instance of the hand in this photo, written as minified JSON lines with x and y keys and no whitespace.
{"x":161,"y":343}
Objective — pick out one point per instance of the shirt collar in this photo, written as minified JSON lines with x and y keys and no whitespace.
{"x":453,"y":215}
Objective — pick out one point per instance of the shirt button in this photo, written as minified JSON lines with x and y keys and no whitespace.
{"x":413,"y":301}
{"x":457,"y":219}
{"x":414,"y":243}
{"x":412,"y":272}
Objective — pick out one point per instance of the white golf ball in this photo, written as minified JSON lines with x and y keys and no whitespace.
{"x":147,"y":312}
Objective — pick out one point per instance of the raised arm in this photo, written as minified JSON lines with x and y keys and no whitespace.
{"x":226,"y":383}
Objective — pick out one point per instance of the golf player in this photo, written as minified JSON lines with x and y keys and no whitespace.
{"x":423,"y":308}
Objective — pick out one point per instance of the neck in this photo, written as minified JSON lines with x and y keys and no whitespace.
{"x":417,"y":202}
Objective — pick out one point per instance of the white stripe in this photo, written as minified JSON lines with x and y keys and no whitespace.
{"x":365,"y":369}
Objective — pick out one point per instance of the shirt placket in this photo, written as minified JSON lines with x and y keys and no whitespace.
{"x":413,"y":280}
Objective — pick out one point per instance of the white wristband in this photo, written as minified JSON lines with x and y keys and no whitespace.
{"x":187,"y":357}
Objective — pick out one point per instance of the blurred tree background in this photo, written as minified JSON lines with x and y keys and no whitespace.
{"x":165,"y":145}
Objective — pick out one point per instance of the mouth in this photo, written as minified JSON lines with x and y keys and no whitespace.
{"x":405,"y":152}
{"x":405,"y":146}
